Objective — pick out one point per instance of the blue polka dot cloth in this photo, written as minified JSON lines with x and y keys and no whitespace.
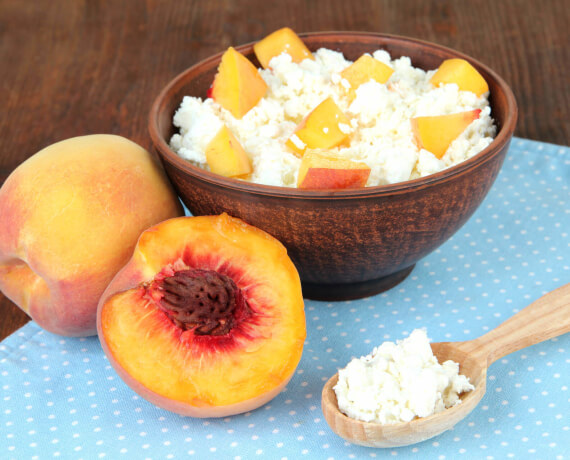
{"x":60,"y":398}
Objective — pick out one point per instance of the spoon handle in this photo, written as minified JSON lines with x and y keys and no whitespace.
{"x":543,"y":319}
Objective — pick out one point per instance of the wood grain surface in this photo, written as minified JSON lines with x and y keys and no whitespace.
{"x":70,"y":68}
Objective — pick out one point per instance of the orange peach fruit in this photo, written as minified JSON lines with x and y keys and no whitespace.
{"x":71,"y":216}
{"x":237,"y":86}
{"x":326,"y":126}
{"x":226,"y":156}
{"x":325,"y":171}
{"x":364,"y":69}
{"x":206,"y":319}
{"x":283,"y":40}
{"x":462,"y":73}
{"x":436,"y":133}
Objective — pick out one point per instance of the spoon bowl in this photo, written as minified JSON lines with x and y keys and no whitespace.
{"x":545,"y":318}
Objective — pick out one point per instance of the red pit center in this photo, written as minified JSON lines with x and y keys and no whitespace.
{"x":204,"y":301}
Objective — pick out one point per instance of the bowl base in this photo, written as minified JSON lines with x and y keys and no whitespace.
{"x":351,"y":291}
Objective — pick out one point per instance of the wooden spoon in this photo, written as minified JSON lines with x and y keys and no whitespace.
{"x":546,"y":317}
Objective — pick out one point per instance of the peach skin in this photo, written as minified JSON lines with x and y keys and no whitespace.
{"x":325,"y":171}
{"x":71,"y":216}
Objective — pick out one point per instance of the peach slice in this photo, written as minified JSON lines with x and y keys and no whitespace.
{"x":207,"y":318}
{"x":237,"y":86}
{"x":325,"y":127}
{"x":462,"y":73}
{"x":364,"y":69}
{"x":436,"y":133}
{"x":226,"y":156}
{"x":70,"y":216}
{"x":283,"y":40}
{"x":322,"y":171}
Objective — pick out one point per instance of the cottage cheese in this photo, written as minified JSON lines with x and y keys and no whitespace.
{"x":380,"y":128}
{"x":399,"y":381}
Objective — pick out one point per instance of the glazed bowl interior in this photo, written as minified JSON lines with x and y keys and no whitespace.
{"x":345,"y":243}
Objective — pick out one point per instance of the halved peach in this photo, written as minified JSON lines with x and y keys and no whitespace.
{"x":326,"y":126}
{"x":206,"y":319}
{"x":237,"y":86}
{"x":436,"y":133}
{"x":364,"y":69}
{"x":284,"y":40}
{"x":462,"y":73}
{"x":325,"y":171}
{"x":226,"y":156}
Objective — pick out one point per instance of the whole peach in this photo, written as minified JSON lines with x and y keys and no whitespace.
{"x":70,"y":216}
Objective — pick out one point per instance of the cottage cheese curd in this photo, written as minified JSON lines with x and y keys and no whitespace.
{"x":380,"y":129}
{"x":398,"y":382}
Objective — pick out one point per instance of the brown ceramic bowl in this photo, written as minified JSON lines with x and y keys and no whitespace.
{"x":345,"y":243}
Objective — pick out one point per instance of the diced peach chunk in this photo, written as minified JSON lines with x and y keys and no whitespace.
{"x":462,"y":73}
{"x":282,"y":40}
{"x":238,"y":86}
{"x":325,"y":171}
{"x":325,"y":127}
{"x":226,"y":156}
{"x":364,"y":69}
{"x":436,"y":133}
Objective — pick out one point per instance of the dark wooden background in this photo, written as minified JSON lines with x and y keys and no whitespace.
{"x":72,"y":67}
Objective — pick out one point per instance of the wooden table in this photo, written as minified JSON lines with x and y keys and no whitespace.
{"x":70,"y":68}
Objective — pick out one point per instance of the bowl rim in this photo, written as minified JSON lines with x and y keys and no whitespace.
{"x":500,"y":141}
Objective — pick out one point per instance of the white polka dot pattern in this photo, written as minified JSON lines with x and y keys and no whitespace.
{"x":61,"y":398}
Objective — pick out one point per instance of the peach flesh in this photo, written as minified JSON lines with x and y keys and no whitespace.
{"x":321,"y":129}
{"x":226,"y":156}
{"x":282,"y":40}
{"x":364,"y":69}
{"x":463,"y":74}
{"x":221,"y":370}
{"x":436,"y":133}
{"x":237,"y":86}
